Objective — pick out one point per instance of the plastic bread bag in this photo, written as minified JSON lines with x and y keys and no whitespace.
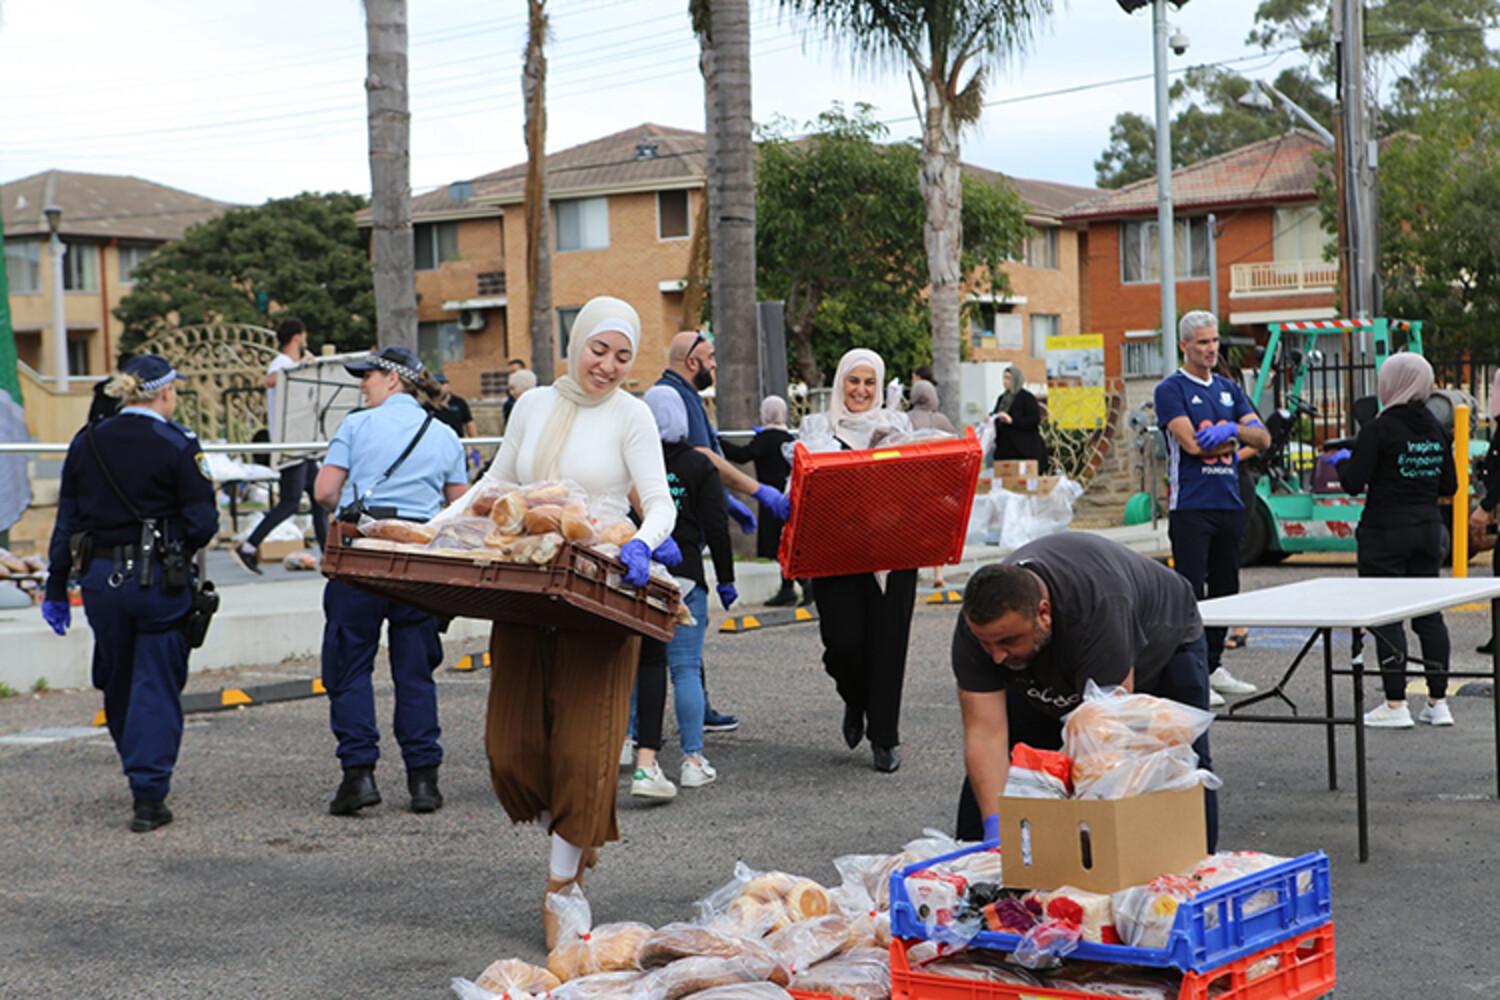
{"x":869,"y":926}
{"x":675,"y":942}
{"x":583,"y":949}
{"x":743,"y":991}
{"x":1047,"y":944}
{"x":1119,"y":982}
{"x":1124,"y":776}
{"x":704,"y":972}
{"x":609,"y":986}
{"x":1114,"y":720}
{"x":467,"y":990}
{"x":1089,"y":911}
{"x":1144,"y":915}
{"x":862,"y":974}
{"x":462,"y":534}
{"x":757,"y":903}
{"x":1038,"y":774}
{"x":982,"y":966}
{"x":805,"y":944}
{"x":610,"y":516}
{"x":815,"y":434}
{"x":507,"y":979}
{"x":1228,"y":866}
{"x":393,"y":529}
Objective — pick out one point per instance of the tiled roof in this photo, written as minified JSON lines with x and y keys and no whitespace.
{"x":1046,"y":198}
{"x":1276,"y":169}
{"x":103,"y":205}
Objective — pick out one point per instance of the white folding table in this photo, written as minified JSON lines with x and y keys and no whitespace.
{"x":1327,"y":603}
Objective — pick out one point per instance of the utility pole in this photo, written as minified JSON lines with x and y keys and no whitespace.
{"x":1357,"y":169}
{"x":1164,"y":224}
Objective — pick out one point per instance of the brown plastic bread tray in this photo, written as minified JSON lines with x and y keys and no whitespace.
{"x":571,"y":592}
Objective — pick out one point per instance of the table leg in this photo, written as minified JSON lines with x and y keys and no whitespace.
{"x":1359,"y":761}
{"x":1333,"y":763}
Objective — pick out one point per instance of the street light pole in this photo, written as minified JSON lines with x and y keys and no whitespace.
{"x":1164,"y":227}
{"x":59,"y":313}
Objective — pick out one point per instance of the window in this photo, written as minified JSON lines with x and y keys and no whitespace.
{"x":439,"y":343}
{"x":436,"y":242}
{"x":1041,"y":248}
{"x":78,"y":356}
{"x":1043,"y":326}
{"x":1141,"y":353}
{"x":581,"y":224}
{"x":565,"y":318}
{"x":672,"y":215}
{"x":1140,"y":250}
{"x":81,"y":267}
{"x":23,"y":266}
{"x":1299,"y":234}
{"x":990,"y":319}
{"x":130,"y":259}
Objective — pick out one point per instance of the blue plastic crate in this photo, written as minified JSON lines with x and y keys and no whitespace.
{"x":1212,"y":928}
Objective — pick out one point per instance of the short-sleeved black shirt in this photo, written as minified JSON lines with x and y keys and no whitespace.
{"x":1112,"y":610}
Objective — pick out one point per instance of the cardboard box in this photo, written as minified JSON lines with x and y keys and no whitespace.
{"x":1017,"y":468}
{"x":276,"y":551}
{"x":1102,"y":845}
{"x":1038,"y":486}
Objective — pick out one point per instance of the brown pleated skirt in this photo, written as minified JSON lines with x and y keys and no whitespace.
{"x":558,"y":712}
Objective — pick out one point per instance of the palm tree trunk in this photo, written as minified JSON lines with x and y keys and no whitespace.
{"x":538,"y":249}
{"x":725,"y":62}
{"x":942,"y":232}
{"x":390,"y":173}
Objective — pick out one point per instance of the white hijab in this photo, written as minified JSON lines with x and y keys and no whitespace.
{"x":855,"y":429}
{"x":601,"y":314}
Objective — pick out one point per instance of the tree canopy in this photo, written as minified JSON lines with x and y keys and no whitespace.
{"x":300,"y":256}
{"x":839,"y":238}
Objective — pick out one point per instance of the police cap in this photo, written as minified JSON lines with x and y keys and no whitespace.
{"x":394,"y":358}
{"x":154,"y":371}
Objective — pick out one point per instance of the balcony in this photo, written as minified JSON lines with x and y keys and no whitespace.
{"x":1283,"y":277}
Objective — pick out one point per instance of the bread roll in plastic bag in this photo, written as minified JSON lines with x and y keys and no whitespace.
{"x":1114,"y":720}
{"x":803,"y":945}
{"x":674,"y":942}
{"x":462,"y":534}
{"x":466,"y":990}
{"x":743,"y":991}
{"x":868,"y":925}
{"x":1145,"y":914}
{"x":1129,"y":775}
{"x":609,"y":986}
{"x":705,"y":972}
{"x":862,"y":974}
{"x":582,"y":949}
{"x":511,"y":975}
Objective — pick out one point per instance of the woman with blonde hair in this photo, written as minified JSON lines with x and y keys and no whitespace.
{"x":559,"y":700}
{"x":864,"y":619}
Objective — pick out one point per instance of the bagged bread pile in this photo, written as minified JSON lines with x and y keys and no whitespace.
{"x":1124,"y":744}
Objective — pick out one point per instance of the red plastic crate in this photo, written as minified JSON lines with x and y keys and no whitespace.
{"x":1306,"y":969}
{"x":901,"y":507}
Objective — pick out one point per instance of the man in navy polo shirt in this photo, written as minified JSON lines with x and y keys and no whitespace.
{"x":1206,"y":418}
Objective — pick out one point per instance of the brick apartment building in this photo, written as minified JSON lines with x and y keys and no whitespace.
{"x":1270,"y":252}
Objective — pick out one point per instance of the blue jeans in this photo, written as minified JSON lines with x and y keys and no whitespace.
{"x":685,"y":664}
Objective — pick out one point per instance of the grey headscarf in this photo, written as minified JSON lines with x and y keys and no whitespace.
{"x":670,"y":413}
{"x":923,"y":395}
{"x":773,"y":411}
{"x":1404,"y":378}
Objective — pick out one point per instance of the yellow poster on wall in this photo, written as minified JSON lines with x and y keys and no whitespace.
{"x":1075,"y":381}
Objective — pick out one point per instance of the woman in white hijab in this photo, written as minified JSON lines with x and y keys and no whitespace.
{"x":559,"y":701}
{"x":865,"y":619}
{"x":1403,"y":462}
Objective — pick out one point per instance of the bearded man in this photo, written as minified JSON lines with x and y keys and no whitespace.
{"x":1036,"y":628}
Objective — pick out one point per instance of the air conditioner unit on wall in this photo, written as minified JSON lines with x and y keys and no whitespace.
{"x":471,"y":320}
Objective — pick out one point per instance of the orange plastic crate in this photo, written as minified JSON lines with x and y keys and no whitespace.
{"x":1304,"y":968}
{"x":902,"y":507}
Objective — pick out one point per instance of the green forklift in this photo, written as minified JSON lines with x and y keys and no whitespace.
{"x":1299,"y":505}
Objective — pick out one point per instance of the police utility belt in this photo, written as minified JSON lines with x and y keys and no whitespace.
{"x":141,"y":560}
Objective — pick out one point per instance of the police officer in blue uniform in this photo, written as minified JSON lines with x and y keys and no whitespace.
{"x":390,"y":459}
{"x":1206,"y":418}
{"x":135,"y":502}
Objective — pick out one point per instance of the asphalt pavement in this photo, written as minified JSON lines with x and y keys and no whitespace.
{"x":255,"y":891}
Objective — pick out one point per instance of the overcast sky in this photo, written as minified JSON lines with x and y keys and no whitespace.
{"x":248,"y":100}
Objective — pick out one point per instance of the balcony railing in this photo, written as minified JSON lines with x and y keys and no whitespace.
{"x":1283,"y":277}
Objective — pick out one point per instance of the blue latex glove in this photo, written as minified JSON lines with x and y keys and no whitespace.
{"x":773,"y":500}
{"x":743,"y":516}
{"x":1335,"y":457}
{"x":58,"y":615}
{"x":1210,"y":438}
{"x":992,"y":828}
{"x":727,"y":594}
{"x":637,"y":560}
{"x":475,"y":458}
{"x":667,"y":553}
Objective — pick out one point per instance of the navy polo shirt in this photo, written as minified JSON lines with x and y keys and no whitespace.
{"x":1200,"y":483}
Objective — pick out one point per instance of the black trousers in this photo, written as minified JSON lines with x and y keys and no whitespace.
{"x":1206,"y":552}
{"x":865,"y":634}
{"x":651,"y":694}
{"x":295,"y":481}
{"x":1411,"y":550}
{"x":1183,"y":679}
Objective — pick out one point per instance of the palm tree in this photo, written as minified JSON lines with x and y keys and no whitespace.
{"x":390,"y":173}
{"x":538,"y":250}
{"x":723,"y":28}
{"x":948,"y":46}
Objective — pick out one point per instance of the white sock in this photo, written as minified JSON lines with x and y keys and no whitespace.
{"x":565,"y":858}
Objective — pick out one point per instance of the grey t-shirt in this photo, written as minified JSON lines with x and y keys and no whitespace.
{"x":1112,"y":610}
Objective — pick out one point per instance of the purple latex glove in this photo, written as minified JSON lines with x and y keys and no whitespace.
{"x":1210,"y":438}
{"x":992,"y":828}
{"x":667,"y":553}
{"x":637,"y":560}
{"x":773,"y":500}
{"x":475,"y":458}
{"x":58,"y":615}
{"x":743,"y":516}
{"x":727,"y":594}
{"x":1335,"y":457}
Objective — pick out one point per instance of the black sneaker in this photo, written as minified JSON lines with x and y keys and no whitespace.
{"x":149,"y":815}
{"x":718,"y":722}
{"x":249,"y":559}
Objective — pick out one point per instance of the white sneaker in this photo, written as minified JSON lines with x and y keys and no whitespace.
{"x":1215,"y":699}
{"x":697,"y":772}
{"x":1358,"y":659}
{"x":650,"y":783}
{"x":1222,"y":681}
{"x":627,"y":753}
{"x":1436,"y":713}
{"x":1383,"y":716}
